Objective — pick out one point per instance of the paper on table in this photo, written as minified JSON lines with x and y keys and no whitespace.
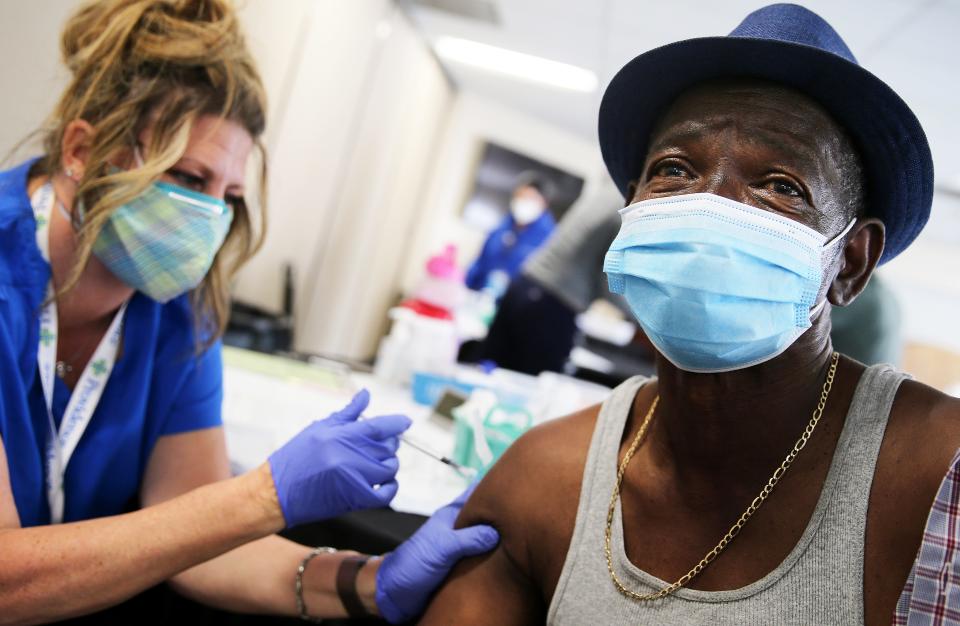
{"x":287,"y":369}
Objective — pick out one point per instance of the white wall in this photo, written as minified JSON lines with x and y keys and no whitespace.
{"x":357,"y":101}
{"x":926,"y":278}
{"x":473,"y":121}
{"x":31,"y":74}
{"x":400,"y":115}
{"x":315,"y":57}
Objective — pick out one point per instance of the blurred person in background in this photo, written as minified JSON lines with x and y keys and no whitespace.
{"x":527,"y":225}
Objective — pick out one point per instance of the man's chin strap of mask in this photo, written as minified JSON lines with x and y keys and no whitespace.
{"x":718,"y":285}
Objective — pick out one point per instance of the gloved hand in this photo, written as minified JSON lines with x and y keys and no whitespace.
{"x":410,"y":574}
{"x":338,"y":465}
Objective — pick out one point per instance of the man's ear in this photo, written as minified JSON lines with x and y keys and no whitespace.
{"x":75,"y":148}
{"x":857,"y":261}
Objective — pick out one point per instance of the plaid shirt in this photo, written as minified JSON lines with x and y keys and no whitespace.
{"x":932,"y":593}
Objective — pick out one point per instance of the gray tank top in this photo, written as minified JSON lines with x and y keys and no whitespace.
{"x":820,"y":581}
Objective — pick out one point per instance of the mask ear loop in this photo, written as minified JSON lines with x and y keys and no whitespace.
{"x":842,"y":234}
{"x":816,"y":309}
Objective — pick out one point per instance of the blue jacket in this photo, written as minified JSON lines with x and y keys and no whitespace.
{"x":159,"y":386}
{"x":506,"y":249}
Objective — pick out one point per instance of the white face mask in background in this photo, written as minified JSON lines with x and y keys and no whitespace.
{"x":525,"y":210}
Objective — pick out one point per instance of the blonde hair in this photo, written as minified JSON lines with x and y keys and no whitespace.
{"x":164,"y":64}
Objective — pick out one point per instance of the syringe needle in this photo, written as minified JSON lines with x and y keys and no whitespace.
{"x":467,"y":471}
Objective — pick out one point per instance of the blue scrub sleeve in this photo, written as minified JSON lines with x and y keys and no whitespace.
{"x":199,"y":403}
{"x":476,"y":278}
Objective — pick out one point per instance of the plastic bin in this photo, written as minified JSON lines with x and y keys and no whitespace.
{"x":428,"y":388}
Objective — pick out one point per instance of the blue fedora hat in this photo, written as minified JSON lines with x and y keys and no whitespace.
{"x":793,"y":46}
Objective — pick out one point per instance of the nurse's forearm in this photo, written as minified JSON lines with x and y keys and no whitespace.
{"x":259,"y":578}
{"x":54,"y":572}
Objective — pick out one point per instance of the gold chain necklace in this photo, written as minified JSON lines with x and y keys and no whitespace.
{"x":740,"y":523}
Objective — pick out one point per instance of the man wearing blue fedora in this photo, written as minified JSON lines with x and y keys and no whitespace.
{"x":761,"y":477}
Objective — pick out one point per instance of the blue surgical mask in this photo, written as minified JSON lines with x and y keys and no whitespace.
{"x":163,"y":242}
{"x":717,"y":285}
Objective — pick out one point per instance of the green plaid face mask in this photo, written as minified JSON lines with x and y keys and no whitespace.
{"x":163,"y":242}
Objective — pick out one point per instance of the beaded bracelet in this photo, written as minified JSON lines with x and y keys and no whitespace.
{"x":301,"y":607}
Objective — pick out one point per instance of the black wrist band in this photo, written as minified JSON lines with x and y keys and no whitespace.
{"x":347,"y":585}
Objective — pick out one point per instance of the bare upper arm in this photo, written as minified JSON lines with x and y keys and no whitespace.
{"x":530,"y":496}
{"x":182,"y":462}
{"x":9,"y":517}
{"x":921,"y":439}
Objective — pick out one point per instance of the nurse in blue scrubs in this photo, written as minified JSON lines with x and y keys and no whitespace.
{"x":117,"y":247}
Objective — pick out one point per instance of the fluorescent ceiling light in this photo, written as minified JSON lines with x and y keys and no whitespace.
{"x":516,"y":64}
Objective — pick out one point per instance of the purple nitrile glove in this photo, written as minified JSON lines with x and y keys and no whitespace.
{"x":338,"y":465}
{"x":410,"y":574}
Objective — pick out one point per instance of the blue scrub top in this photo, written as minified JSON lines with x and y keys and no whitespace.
{"x":507,"y":247}
{"x":159,"y":385}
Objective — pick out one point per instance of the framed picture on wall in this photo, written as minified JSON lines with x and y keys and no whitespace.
{"x":498,"y":173}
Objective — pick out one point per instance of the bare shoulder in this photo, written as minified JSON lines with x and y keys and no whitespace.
{"x":923,"y":433}
{"x":531,"y":494}
{"x":921,"y":439}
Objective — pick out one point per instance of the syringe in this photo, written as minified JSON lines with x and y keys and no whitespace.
{"x":466,"y":472}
